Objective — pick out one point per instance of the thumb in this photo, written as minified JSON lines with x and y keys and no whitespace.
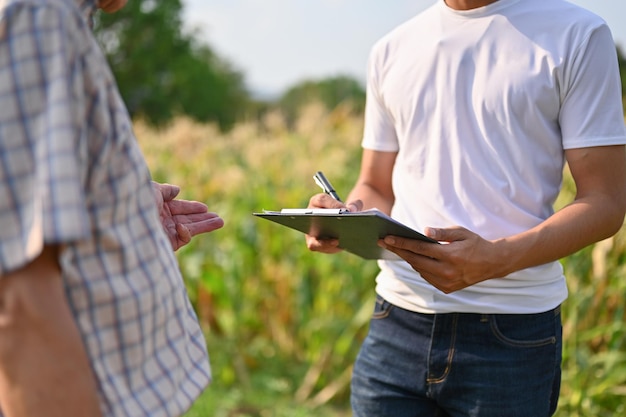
{"x":356,"y":205}
{"x":184,"y":234}
{"x":446,"y":235}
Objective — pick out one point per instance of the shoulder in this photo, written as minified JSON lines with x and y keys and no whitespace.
{"x":563,"y":10}
{"x":43,"y":26}
{"x":419,"y":25}
{"x":51,"y":4}
{"x":40,"y":13}
{"x":408,"y":34}
{"x":555,"y":17}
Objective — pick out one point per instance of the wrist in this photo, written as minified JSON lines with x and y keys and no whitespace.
{"x":505,"y":257}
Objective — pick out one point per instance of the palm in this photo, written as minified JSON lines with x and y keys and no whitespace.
{"x":183,"y":219}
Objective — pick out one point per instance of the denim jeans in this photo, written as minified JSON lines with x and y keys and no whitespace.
{"x":458,"y":365}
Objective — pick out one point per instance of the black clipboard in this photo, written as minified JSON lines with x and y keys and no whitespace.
{"x":358,"y":232}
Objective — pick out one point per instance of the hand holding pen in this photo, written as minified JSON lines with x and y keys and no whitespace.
{"x":323,"y":182}
{"x":319,"y":201}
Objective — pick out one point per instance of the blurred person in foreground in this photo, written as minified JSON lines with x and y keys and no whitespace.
{"x":473,"y":108}
{"x":94,"y":316}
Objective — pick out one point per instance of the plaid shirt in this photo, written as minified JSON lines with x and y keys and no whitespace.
{"x":72,"y":174}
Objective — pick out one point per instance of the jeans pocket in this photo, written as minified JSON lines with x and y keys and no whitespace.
{"x":526,"y":330}
{"x":382,"y":308}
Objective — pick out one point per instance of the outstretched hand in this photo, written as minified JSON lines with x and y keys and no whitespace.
{"x":183,"y":219}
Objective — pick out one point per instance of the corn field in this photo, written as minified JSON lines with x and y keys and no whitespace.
{"x":283,"y":324}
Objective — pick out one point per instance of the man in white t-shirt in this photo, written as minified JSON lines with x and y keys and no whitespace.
{"x":473,"y":108}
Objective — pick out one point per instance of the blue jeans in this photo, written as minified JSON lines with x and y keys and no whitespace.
{"x":458,"y":365}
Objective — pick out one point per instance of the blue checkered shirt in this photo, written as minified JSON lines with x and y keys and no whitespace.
{"x":72,"y":174}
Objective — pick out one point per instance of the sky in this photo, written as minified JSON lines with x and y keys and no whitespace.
{"x":279,"y":43}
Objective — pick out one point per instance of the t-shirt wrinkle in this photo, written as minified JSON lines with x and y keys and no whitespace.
{"x":480,"y":118}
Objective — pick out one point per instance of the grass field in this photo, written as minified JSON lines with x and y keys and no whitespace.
{"x":283,"y":324}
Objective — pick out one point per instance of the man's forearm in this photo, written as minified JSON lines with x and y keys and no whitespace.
{"x":569,"y":230}
{"x":370,"y":198}
{"x":44,"y":369}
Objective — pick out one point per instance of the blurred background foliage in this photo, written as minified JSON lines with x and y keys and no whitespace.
{"x":283,"y":324}
{"x":164,"y":72}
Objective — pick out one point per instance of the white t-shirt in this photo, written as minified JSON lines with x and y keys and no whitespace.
{"x":480,"y":106}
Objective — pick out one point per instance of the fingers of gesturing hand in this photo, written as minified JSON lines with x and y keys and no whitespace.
{"x":200,"y":223}
{"x":177,"y":207}
{"x":183,"y":228}
{"x":183,"y":235}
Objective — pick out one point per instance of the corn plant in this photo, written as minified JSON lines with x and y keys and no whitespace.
{"x":283,"y":324}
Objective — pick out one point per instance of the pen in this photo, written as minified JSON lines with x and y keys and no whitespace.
{"x":321,"y":180}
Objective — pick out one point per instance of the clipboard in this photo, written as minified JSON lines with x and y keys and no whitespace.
{"x":358,"y":232}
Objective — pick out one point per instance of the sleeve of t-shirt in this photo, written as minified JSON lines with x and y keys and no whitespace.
{"x":379,"y":132}
{"x":42,"y":170}
{"x":591,"y":110}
